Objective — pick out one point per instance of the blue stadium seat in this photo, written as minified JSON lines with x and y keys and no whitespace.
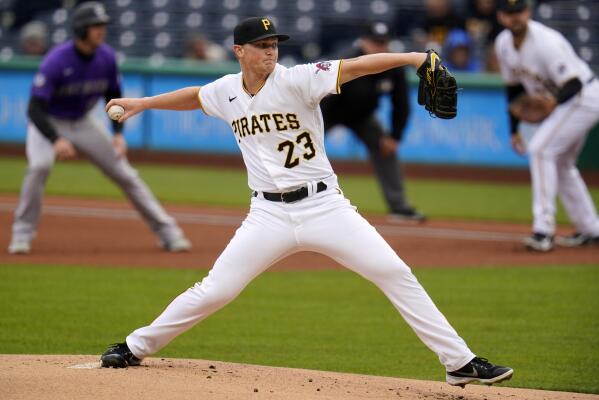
{"x":159,"y":28}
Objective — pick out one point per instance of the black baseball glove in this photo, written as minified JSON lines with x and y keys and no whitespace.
{"x":437,"y":90}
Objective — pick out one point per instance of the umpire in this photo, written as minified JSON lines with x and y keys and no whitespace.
{"x":355,"y":108}
{"x":70,"y":81}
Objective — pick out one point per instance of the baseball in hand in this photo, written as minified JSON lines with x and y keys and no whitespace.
{"x":115,"y":112}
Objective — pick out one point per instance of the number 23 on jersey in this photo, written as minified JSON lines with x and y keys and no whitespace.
{"x":303,"y":139}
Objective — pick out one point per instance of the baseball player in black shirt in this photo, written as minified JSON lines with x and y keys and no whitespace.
{"x":359,"y":116}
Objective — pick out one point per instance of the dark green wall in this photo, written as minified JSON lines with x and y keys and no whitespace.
{"x":589,"y":158}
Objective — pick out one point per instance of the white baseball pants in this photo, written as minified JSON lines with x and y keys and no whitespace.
{"x":325,"y":223}
{"x":553,"y":151}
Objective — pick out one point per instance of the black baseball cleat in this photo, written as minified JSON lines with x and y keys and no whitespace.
{"x":118,"y":355}
{"x":577,"y":239}
{"x":479,"y":370}
{"x":407,"y":215}
{"x":539,"y":242}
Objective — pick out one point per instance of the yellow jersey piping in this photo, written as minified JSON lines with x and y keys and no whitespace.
{"x":339,"y":77}
{"x":200,"y":100}
{"x":257,"y":91}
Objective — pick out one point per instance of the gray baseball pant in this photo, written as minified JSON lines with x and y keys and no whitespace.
{"x":93,"y":141}
{"x":387,"y":168}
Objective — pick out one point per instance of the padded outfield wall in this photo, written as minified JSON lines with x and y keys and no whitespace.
{"x":478,"y":136}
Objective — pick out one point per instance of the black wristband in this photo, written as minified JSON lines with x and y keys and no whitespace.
{"x":514,"y":122}
{"x":117,"y":127}
{"x":513,"y":91}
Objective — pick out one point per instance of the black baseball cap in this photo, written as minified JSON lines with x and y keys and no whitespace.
{"x":513,"y":5}
{"x":256,"y":28}
{"x":88,"y":14}
{"x":377,"y":31}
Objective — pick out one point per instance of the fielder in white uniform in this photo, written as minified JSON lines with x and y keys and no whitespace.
{"x":296,"y":205}
{"x":539,"y":61}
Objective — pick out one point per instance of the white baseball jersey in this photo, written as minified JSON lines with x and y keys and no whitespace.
{"x":295,"y":131}
{"x":543,"y":63}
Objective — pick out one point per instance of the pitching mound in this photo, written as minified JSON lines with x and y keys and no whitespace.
{"x":80,"y":377}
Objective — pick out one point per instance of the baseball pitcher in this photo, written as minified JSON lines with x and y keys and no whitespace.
{"x":296,"y":202}
{"x":70,"y":81}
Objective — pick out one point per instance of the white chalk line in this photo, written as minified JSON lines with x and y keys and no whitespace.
{"x":94,"y":365}
{"x":225,"y":220}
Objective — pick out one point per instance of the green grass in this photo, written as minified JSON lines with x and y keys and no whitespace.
{"x":542,"y":321}
{"x":228,"y":187}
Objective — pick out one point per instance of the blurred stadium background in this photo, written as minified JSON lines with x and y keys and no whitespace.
{"x":166,"y":44}
{"x":161,"y":28}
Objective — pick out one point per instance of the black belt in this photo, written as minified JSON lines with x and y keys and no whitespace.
{"x":294,"y":195}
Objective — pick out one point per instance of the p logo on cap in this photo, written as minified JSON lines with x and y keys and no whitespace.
{"x":256,"y":28}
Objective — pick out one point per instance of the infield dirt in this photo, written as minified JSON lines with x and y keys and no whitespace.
{"x":110,"y":233}
{"x":79,"y":377}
